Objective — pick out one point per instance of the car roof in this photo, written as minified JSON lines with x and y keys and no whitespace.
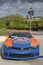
{"x":20,"y":30}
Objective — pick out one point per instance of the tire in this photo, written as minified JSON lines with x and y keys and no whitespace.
{"x":2,"y":51}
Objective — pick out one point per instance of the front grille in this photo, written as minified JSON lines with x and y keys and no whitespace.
{"x":21,"y":55}
{"x":18,"y":48}
{"x":22,"y":48}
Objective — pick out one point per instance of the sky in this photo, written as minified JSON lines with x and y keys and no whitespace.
{"x":11,"y":7}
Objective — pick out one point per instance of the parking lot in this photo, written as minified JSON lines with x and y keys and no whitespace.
{"x":38,"y":61}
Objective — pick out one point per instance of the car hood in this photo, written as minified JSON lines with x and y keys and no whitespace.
{"x":21,"y":42}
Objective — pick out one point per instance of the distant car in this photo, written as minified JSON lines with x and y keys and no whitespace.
{"x":20,"y":45}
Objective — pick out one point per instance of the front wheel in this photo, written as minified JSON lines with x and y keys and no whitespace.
{"x":2,"y":51}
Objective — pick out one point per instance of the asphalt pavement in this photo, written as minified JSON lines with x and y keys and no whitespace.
{"x":38,"y":61}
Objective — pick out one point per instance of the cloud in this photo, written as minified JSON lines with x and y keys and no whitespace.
{"x":12,"y":7}
{"x":38,"y":8}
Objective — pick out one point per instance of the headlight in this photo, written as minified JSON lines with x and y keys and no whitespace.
{"x":34,"y":42}
{"x":8,"y":42}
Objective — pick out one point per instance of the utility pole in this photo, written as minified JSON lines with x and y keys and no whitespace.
{"x":30,"y":13}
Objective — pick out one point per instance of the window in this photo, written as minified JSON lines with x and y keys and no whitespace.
{"x":21,"y":34}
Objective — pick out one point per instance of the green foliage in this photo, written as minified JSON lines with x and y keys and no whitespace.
{"x":2,"y":23}
{"x":19,"y":22}
{"x":4,"y":31}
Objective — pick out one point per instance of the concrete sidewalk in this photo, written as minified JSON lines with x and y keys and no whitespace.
{"x":2,"y":38}
{"x":37,"y":32}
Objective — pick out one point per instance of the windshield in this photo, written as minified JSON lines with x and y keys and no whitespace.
{"x":20,"y":34}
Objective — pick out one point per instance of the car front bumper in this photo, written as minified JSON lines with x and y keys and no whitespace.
{"x":12,"y":53}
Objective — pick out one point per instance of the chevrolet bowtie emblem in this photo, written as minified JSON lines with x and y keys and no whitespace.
{"x":21,"y":48}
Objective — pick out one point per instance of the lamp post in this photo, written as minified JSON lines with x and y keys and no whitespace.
{"x":30,"y":12}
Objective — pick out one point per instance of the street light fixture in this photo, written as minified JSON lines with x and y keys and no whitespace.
{"x":30,"y":12}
